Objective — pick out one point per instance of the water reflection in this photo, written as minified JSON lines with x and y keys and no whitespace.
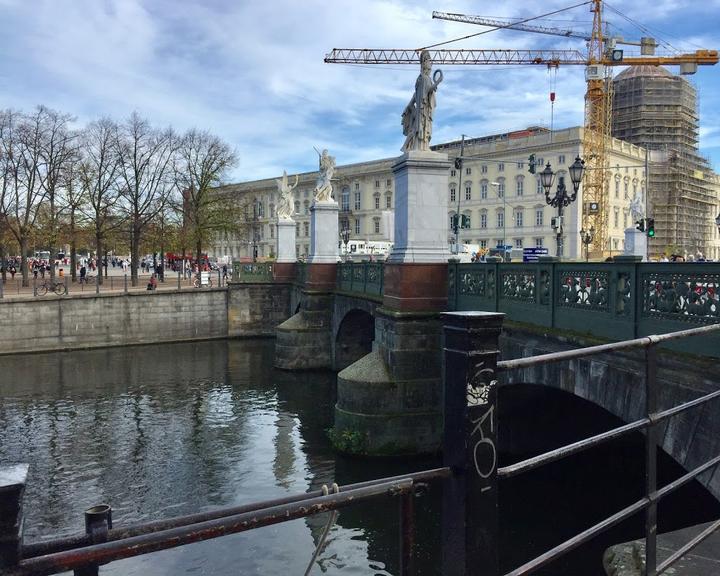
{"x":158,"y":431}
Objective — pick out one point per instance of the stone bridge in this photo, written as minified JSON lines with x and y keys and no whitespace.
{"x":389,"y":360}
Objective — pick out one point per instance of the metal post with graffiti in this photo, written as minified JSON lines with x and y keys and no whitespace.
{"x":470,"y":498}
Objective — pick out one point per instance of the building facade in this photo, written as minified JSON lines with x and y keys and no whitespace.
{"x":503,"y":202}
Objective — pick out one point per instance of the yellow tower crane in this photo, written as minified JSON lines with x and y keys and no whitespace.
{"x":602,"y":54}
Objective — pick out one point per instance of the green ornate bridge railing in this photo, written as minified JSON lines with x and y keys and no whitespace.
{"x":613,"y":300}
{"x":252,"y":272}
{"x":365,"y":278}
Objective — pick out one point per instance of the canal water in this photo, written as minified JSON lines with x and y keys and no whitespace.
{"x":165,"y":430}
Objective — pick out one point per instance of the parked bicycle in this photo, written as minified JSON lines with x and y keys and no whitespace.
{"x":89,"y":279}
{"x":198,"y":283}
{"x":48,"y":285}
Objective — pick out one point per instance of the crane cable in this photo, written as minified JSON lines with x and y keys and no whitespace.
{"x":503,"y":27}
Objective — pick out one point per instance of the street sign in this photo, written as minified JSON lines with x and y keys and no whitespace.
{"x":533,"y":254}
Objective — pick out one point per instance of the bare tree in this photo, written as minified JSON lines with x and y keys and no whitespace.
{"x":99,"y":174}
{"x":203,"y":161}
{"x":22,"y":160}
{"x":145,"y":156}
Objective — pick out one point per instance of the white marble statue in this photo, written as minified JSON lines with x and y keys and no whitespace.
{"x":417,"y":117}
{"x":323,"y":187}
{"x":637,"y":209}
{"x":286,"y":206}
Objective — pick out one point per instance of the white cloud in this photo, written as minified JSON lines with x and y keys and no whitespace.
{"x":253,"y":72}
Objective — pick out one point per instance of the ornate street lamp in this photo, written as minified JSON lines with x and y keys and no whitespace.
{"x":561,"y":197}
{"x":587,"y":236}
{"x":345,"y":235}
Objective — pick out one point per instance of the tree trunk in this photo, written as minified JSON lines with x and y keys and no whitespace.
{"x":98,"y":253}
{"x":73,"y":248}
{"x":23,"y":261}
{"x":3,"y":261}
{"x":198,"y":252}
{"x":134,"y":254}
{"x":162,"y":259}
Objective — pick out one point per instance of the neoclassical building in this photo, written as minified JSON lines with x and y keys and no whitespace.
{"x":502,"y":201}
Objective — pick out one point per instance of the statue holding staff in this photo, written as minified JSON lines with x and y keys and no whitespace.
{"x":417,"y":117}
{"x":323,"y":186}
{"x":286,"y":206}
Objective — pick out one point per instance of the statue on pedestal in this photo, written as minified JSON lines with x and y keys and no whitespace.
{"x":286,"y":206}
{"x":636,"y":208}
{"x":323,"y":186}
{"x":417,"y":117}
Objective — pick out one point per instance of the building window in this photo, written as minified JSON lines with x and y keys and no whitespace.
{"x":376,"y":225}
{"x":617,"y":188}
{"x":617,"y":218}
{"x":561,"y":159}
{"x":468,"y":171}
{"x":518,"y":242}
{"x":468,"y":192}
{"x":453,"y":173}
{"x":519,"y":219}
{"x":261,"y":210}
{"x":388,"y":182}
{"x":483,"y":169}
{"x":306,"y":229}
{"x":501,"y":219}
{"x":538,"y":242}
{"x":377,"y":183}
{"x":306,"y":207}
{"x":627,"y":189}
{"x":468,"y":220}
{"x":297,"y":207}
{"x":377,"y":202}
{"x":452,"y":195}
{"x":483,"y":189}
{"x":388,"y":201}
{"x":358,"y":199}
{"x":520,"y":165}
{"x":539,"y":216}
{"x":483,"y":219}
{"x":520,"y":186}
{"x":297,"y":229}
{"x":357,"y":226}
{"x":345,"y":199}
{"x":501,"y":189}
{"x":357,"y":186}
{"x":625,"y":219}
{"x":540,"y":189}
{"x":483,"y":244}
{"x":501,"y":167}
{"x":272,"y":210}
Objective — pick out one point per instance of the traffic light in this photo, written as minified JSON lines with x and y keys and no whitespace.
{"x":465,"y":222}
{"x":458,"y":163}
{"x":531,"y":163}
{"x":454,"y":223}
{"x":651,"y":227}
{"x":640,"y":225}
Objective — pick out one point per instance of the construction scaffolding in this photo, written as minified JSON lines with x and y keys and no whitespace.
{"x":657,"y":110}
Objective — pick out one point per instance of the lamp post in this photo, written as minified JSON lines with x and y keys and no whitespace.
{"x":587,"y":236}
{"x":458,"y":219}
{"x":345,"y":236}
{"x":561,"y":197}
{"x":496,"y":185}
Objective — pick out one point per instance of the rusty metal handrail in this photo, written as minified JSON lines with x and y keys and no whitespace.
{"x":173,"y":537}
{"x":75,"y":541}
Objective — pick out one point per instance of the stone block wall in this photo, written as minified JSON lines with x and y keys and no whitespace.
{"x":257,"y":309}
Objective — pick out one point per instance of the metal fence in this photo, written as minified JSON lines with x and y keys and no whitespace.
{"x":613,"y":300}
{"x":253,"y":272}
{"x":363,"y":278}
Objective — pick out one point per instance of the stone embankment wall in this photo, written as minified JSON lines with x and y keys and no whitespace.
{"x":141,"y":318}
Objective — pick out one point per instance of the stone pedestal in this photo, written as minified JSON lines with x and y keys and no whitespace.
{"x":324,"y":233}
{"x":635,"y":243}
{"x":303,"y":342}
{"x":421,"y":208}
{"x":286,"y":240}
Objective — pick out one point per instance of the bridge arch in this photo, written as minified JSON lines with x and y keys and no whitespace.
{"x":354,"y":337}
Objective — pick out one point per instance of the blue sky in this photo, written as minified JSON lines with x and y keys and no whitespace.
{"x":253,"y":72}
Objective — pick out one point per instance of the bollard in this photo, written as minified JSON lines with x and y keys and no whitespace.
{"x":34,"y":286}
{"x":470,"y":497}
{"x":219,"y":279}
{"x":125,"y":283}
{"x":13,"y":478}
{"x":67,"y":285}
{"x":97,"y":283}
{"x":179,"y":280}
{"x":98,"y":520}
{"x":2,"y":287}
